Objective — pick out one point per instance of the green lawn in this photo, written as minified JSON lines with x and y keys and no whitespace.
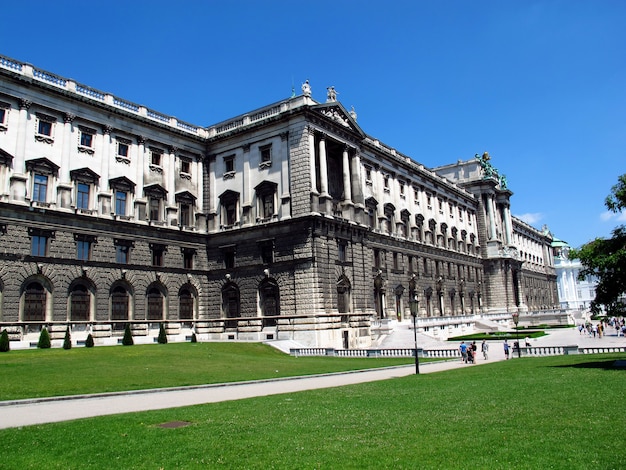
{"x":55,"y":372}
{"x":554,"y":412}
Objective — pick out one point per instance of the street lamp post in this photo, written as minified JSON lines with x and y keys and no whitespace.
{"x":516,"y":321}
{"x":413,"y":304}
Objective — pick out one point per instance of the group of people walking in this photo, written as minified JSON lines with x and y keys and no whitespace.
{"x":470,"y":351}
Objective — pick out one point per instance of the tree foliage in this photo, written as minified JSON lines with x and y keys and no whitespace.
{"x":44,"y":339}
{"x":67,"y":341}
{"x":5,"y":344}
{"x":162,"y":339}
{"x":605,"y":258}
{"x":127,"y":340}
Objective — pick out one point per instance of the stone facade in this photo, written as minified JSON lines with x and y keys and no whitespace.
{"x":288,"y":222}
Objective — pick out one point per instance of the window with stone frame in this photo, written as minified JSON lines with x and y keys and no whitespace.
{"x":188,"y":257}
{"x":342,"y":248}
{"x":34,"y":302}
{"x":230,"y":304}
{"x":4,"y":115}
{"x":266,"y":201}
{"x":42,"y":172}
{"x":228,"y":255}
{"x":84,"y":180}
{"x":39,"y":241}
{"x":229,"y":166}
{"x":266,"y":156}
{"x":186,"y":203}
{"x":186,"y":303}
{"x":123,"y":149}
{"x":229,"y":209}
{"x":154,"y":304}
{"x":266,"y":248}
{"x":158,"y":254}
{"x":185,"y":168}
{"x":122,"y":189}
{"x":120,"y":303}
{"x":80,"y":302}
{"x":86,"y":140}
{"x":123,"y":250}
{"x":84,"y":244}
{"x":45,"y":128}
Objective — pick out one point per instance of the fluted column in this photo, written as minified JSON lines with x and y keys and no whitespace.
{"x":312,"y":167}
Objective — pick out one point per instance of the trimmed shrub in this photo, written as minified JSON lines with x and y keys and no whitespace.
{"x":44,"y":339}
{"x":5,"y":344}
{"x":162,"y":336}
{"x":193,"y":338}
{"x":67,"y":341}
{"x":89,"y":341}
{"x":128,"y":336}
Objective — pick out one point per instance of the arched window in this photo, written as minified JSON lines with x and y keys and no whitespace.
{"x":343,"y":295}
{"x":230,"y":304}
{"x":34,"y":302}
{"x":269,"y":304}
{"x":185,"y":304}
{"x":80,"y":303}
{"x":119,"y":304}
{"x":154,"y":304}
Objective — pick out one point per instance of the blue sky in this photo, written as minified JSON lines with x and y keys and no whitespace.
{"x":540,"y":85}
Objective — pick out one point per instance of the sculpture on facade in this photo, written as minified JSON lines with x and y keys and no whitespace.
{"x":488,"y":170}
{"x":331,"y":94}
{"x":306,"y":88}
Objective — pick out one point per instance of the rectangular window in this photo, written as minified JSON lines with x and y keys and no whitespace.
{"x":229,"y":260}
{"x":229,"y":165}
{"x":86,"y":139}
{"x":44,"y":128}
{"x":188,"y":258}
{"x":267,"y":205}
{"x":40,"y":188}
{"x":120,"y":203}
{"x":157,"y":257}
{"x":39,"y":245}
{"x":266,"y":156}
{"x":82,"y":196}
{"x":185,"y":215}
{"x":341,"y":252}
{"x":122,"y":149}
{"x":185,"y":166}
{"x":267,"y":253}
{"x":155,"y":209}
{"x":155,"y":157}
{"x":402,"y":195}
{"x":396,"y":266}
{"x":3,"y":116}
{"x":83,"y":250}
{"x":122,"y":254}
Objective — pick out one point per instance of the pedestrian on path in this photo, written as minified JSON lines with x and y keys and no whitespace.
{"x":474,"y":351}
{"x":506,"y":349}
{"x":463,"y":349}
{"x":484,"y":348}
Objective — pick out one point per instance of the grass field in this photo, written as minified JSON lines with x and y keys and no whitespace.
{"x":562,"y":412}
{"x":55,"y":372}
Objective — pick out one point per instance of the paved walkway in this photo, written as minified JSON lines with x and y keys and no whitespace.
{"x":48,"y":410}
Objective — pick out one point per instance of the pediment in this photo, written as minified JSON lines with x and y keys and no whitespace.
{"x":5,"y":158}
{"x":335,"y":112}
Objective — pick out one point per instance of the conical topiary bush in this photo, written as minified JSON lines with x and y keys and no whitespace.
{"x":128,"y":336}
{"x":89,"y":341}
{"x":162,"y":336}
{"x":67,"y":341}
{"x":5,"y":344}
{"x":44,"y":339}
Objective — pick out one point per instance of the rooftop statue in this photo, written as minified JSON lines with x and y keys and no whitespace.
{"x":488,"y":170}
{"x":306,"y":88}
{"x":331,"y":94}
{"x":503,"y":183}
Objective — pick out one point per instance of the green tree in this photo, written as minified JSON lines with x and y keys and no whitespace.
{"x":5,"y":344}
{"x":89,"y":341}
{"x":605,"y":259}
{"x":67,"y":341}
{"x":162,"y":336}
{"x":44,"y":339}
{"x":127,"y":340}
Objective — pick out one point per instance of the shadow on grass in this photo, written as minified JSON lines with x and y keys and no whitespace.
{"x":608,"y":364}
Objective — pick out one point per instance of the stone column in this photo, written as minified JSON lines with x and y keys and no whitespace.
{"x":506,"y":216}
{"x":323,"y":167}
{"x":285,"y":196}
{"x":66,"y":148}
{"x":248,"y":214}
{"x":312,"y":160}
{"x":171,"y":176}
{"x":347,"y":189}
{"x":490,"y":216}
{"x":106,"y":158}
{"x":20,"y":150}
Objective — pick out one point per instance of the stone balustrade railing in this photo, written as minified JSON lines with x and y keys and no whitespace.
{"x":68,"y":85}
